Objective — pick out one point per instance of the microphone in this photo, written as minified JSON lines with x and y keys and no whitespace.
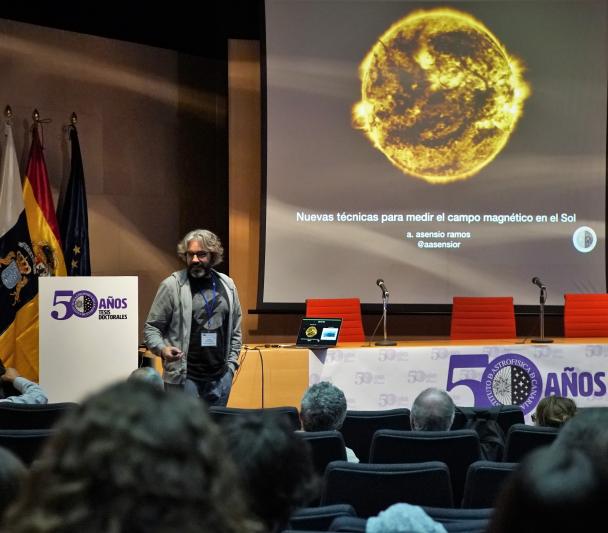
{"x":538,"y":282}
{"x":380,"y":283}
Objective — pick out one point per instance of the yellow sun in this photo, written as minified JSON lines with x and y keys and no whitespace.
{"x":440,"y":95}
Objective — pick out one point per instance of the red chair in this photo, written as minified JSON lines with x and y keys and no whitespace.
{"x":348,"y":309}
{"x":586,"y":315}
{"x":483,"y":318}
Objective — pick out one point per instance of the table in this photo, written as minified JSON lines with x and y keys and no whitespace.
{"x":480,"y":373}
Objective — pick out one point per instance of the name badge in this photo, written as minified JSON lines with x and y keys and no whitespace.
{"x":209,"y":340}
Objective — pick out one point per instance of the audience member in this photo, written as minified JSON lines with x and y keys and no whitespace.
{"x":555,"y":489}
{"x":275,"y":466}
{"x":403,"y":518}
{"x":323,"y":408}
{"x":12,"y":477}
{"x":27,"y":391}
{"x":149,"y":375}
{"x":135,"y":459}
{"x":588,"y":433}
{"x":554,"y":411}
{"x":432,"y":410}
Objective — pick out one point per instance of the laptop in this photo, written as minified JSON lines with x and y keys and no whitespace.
{"x":318,"y":333}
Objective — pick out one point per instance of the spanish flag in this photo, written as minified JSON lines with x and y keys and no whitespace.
{"x":18,"y":283}
{"x":42,"y":223}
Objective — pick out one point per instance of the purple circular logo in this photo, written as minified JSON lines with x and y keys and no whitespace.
{"x":84,"y":304}
{"x":512,"y":379}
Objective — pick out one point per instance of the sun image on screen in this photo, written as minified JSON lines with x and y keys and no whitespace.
{"x":440,"y":95}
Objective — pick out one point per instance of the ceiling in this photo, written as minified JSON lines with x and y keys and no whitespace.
{"x":177,"y":28}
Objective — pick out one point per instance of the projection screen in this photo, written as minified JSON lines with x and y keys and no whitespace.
{"x":454,"y":148}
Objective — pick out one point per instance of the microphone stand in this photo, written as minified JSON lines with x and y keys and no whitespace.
{"x":543,"y":299}
{"x":385,"y":341}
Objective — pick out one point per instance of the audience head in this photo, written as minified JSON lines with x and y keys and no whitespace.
{"x":275,"y":466}
{"x":553,"y":489}
{"x":149,"y":375}
{"x":323,"y":407}
{"x":132,"y":458}
{"x":554,"y":411}
{"x":432,"y":410}
{"x":588,"y":433}
{"x":12,"y":477}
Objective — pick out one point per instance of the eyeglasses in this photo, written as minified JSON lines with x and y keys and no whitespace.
{"x":199,"y":255}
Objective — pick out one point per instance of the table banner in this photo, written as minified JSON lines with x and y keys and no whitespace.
{"x":481,"y":376}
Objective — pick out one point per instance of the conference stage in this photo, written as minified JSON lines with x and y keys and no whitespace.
{"x":479,"y":373}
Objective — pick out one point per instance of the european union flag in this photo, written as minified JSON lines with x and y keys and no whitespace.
{"x":74,"y":219}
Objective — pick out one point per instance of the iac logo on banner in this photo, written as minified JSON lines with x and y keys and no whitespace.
{"x":84,"y":304}
{"x":512,"y":379}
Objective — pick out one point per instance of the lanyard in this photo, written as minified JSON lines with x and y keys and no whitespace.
{"x":209,"y":304}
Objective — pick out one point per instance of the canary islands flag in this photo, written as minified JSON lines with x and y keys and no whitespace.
{"x":18,"y":282}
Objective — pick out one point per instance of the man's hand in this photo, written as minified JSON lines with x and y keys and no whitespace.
{"x":169,"y":353}
{"x":10,"y":375}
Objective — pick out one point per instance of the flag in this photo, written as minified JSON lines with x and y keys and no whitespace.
{"x":18,"y":283}
{"x":73,"y":218}
{"x":42,"y":223}
{"x":41,"y":219}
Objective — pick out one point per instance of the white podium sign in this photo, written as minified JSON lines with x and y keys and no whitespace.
{"x":88,"y":334}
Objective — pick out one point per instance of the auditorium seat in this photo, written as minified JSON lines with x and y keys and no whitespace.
{"x":220,"y":414}
{"x":456,"y":448}
{"x":348,"y":309}
{"x":359,"y":427}
{"x":326,"y":446}
{"x":586,"y":315}
{"x":505,"y":415}
{"x":25,"y":443}
{"x":522,"y":439}
{"x":319,"y":518}
{"x":32,"y":416}
{"x":484,"y":482}
{"x":371,"y":488}
{"x":453,"y":520}
{"x":482,"y":318}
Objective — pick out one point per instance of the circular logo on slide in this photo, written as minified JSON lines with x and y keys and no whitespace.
{"x":512,"y":379}
{"x":84,"y":304}
{"x":584,"y":239}
{"x":311,"y":331}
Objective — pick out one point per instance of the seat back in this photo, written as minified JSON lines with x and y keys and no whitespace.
{"x":32,"y":416}
{"x":586,"y":315}
{"x":220,"y":414}
{"x":349,"y":524}
{"x":371,"y":488}
{"x":457,"y":449}
{"x":25,"y":443}
{"x":482,"y":318}
{"x":522,"y":439}
{"x":461,"y":520}
{"x":359,"y":428}
{"x":326,"y":446}
{"x":348,"y":309}
{"x":483,"y":483}
{"x":453,"y":520}
{"x":319,"y":518}
{"x":506,"y":416}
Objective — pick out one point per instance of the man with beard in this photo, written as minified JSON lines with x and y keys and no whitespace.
{"x":194,"y":323}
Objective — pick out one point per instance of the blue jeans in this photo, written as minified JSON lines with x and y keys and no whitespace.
{"x":214,"y":392}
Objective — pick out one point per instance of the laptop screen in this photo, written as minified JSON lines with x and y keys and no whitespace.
{"x":319,"y":332}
